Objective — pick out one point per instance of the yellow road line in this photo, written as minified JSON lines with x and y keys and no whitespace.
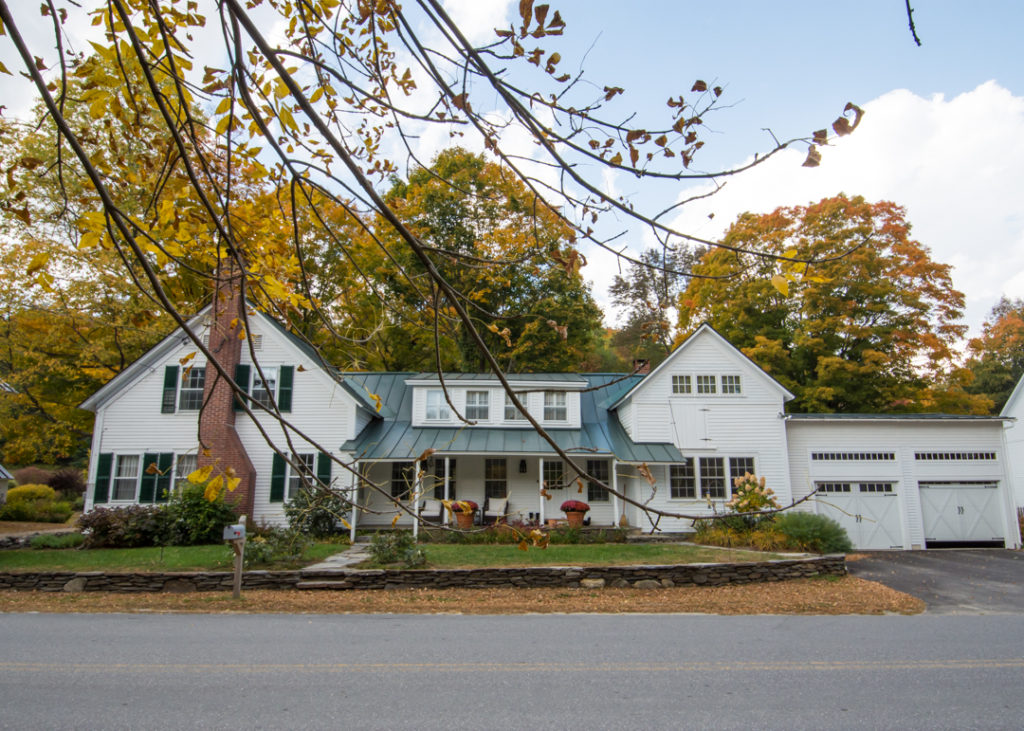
{"x":514,"y":667}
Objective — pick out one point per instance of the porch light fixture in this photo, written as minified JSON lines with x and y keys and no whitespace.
{"x":522,"y":466}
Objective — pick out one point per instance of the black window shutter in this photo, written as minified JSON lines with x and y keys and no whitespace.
{"x":323,"y":468}
{"x":170,"y":390}
{"x":163,"y":480}
{"x":102,"y":490}
{"x":277,"y":475}
{"x":285,"y":377}
{"x":147,"y":484}
{"x":242,"y":380}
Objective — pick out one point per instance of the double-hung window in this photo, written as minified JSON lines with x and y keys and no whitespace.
{"x":495,"y":478}
{"x":598,"y":469}
{"x":300,"y":472}
{"x":511,"y":412}
{"x":478,"y":405}
{"x":402,"y":476}
{"x":264,"y":389}
{"x":555,"y":406}
{"x":554,"y":474}
{"x":190,"y":394}
{"x":712,"y":478}
{"x":437,"y":407}
{"x":185,"y":465}
{"x":126,"y":477}
{"x":739,"y":466}
{"x":683,"y":480}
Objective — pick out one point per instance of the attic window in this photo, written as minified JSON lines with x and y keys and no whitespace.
{"x":681,"y":384}
{"x":257,"y":342}
{"x":731,"y":384}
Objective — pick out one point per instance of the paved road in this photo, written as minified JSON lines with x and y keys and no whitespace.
{"x":974,"y":581}
{"x":533,"y":672}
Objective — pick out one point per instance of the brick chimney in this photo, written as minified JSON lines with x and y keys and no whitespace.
{"x":217,"y":419}
{"x":641,"y":366}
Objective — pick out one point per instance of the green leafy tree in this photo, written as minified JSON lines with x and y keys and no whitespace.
{"x":508,"y":258}
{"x":870,"y":327}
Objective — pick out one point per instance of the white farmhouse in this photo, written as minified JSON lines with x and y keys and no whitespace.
{"x":673,"y":439}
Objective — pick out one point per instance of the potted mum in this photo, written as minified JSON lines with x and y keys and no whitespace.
{"x":464,"y":511}
{"x":574,"y":511}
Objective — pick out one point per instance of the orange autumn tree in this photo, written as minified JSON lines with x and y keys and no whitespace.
{"x":997,"y":357}
{"x":870,"y":327}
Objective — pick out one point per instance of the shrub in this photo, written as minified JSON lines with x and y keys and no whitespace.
{"x":812,"y":532}
{"x":131,"y":526}
{"x":68,"y":540}
{"x":31,"y":493}
{"x":34,"y":503}
{"x":391,"y":546}
{"x":767,"y":538}
{"x":32,"y":476}
{"x":316,"y":512}
{"x":69,"y":482}
{"x":191,"y":519}
{"x":719,"y":533}
{"x":269,"y":544}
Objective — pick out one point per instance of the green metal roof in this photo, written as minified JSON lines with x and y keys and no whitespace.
{"x":600,"y":434}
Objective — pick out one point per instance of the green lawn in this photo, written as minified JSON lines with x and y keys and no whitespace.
{"x":173,"y":558}
{"x":448,"y":555}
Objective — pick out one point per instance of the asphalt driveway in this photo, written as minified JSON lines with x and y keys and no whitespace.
{"x":951,"y":581}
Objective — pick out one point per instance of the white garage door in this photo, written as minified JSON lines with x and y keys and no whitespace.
{"x":869,"y":511}
{"x":961,"y":512}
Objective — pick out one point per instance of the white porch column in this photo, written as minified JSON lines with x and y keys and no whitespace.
{"x":354,"y":498}
{"x":615,"y":498}
{"x":540,"y":488}
{"x":447,"y":488}
{"x":417,"y":488}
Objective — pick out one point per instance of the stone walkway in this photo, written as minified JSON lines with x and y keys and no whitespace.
{"x":352,"y":555}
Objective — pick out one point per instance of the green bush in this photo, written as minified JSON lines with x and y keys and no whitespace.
{"x":191,"y":519}
{"x":394,"y":546}
{"x":131,"y":526}
{"x":268,"y":544}
{"x":31,"y":493}
{"x":68,"y":540}
{"x":316,"y":512}
{"x":812,"y":532}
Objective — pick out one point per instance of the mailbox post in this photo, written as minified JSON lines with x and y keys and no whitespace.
{"x":235,"y":535}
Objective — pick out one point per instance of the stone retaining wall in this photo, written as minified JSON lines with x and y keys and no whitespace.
{"x":591,"y":576}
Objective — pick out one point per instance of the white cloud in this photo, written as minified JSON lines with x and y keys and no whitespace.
{"x":956,"y":165}
{"x":477,"y":19}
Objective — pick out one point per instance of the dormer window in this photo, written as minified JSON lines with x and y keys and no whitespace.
{"x":706,"y":384}
{"x":511,"y":412}
{"x":478,"y":405}
{"x":437,"y":407}
{"x":555,"y":406}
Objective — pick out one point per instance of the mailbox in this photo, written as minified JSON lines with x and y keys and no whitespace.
{"x":234,"y":532}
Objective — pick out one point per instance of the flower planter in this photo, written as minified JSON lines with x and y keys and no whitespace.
{"x":575,"y":518}
{"x":464,"y":520}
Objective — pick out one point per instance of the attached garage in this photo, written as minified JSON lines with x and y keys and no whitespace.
{"x":869,"y":511}
{"x":907,"y":481}
{"x":961,"y":512}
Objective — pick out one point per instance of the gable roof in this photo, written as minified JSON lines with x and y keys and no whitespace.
{"x":705,"y":330}
{"x":599,"y":434}
{"x":1015,"y":396}
{"x":4,"y":474}
{"x":155,"y":355}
